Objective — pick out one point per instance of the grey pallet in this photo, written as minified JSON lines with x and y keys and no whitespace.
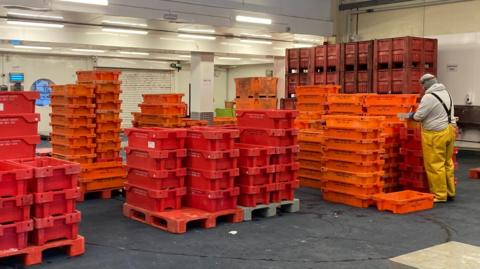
{"x":270,"y":210}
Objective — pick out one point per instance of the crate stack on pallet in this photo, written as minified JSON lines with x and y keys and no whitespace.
{"x":353,"y":163}
{"x":400,"y":63}
{"x":256,"y":93}
{"x":18,"y":125}
{"x":106,"y":173}
{"x":271,"y":128}
{"x":357,"y":67}
{"x":161,"y":110}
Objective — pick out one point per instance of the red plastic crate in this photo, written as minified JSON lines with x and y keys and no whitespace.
{"x":15,"y":235}
{"x":286,"y":172}
{"x":251,"y":196}
{"x":90,"y":76}
{"x":254,"y":176}
{"x":271,"y":119}
{"x":155,"y":160}
{"x":19,"y":124}
{"x":213,"y":201}
{"x":285,"y":191}
{"x":211,"y":138}
{"x":154,"y":200}
{"x":156,"y":138}
{"x":208,"y":180}
{"x":269,"y":137}
{"x":16,"y":208}
{"x":56,"y":227}
{"x":17,"y":147}
{"x":55,"y":202}
{"x":285,"y":155}
{"x":157,"y":180}
{"x":18,"y":102}
{"x":213,"y":160}
{"x":14,"y":179}
{"x":254,"y":155}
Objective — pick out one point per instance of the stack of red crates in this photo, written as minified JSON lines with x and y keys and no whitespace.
{"x":273,"y":128}
{"x":161,"y":110}
{"x":18,"y":125}
{"x":156,"y":169}
{"x":212,"y":164}
{"x":400,"y":63}
{"x":353,"y":163}
{"x":107,"y":172}
{"x":72,"y":120}
{"x":357,"y":67}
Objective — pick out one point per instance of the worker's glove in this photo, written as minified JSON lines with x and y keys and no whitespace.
{"x":410,"y":115}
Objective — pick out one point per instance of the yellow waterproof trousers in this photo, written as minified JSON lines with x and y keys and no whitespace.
{"x":438,"y":149}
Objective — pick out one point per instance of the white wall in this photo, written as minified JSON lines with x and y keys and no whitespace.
{"x":258,"y":70}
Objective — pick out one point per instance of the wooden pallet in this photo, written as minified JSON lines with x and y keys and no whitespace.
{"x":270,"y":210}
{"x":34,"y":254}
{"x":176,"y":221}
{"x":474,"y":173}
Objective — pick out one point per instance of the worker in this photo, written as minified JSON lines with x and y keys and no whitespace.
{"x":436,"y":114}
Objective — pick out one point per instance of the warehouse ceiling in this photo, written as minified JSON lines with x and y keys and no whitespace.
{"x":153,"y":29}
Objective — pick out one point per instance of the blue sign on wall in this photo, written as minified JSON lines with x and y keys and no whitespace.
{"x":43,"y":87}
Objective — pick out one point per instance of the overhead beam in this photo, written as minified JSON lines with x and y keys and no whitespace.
{"x":369,"y":3}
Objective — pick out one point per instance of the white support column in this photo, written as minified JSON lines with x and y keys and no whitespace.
{"x":202,"y":76}
{"x":279,"y":72}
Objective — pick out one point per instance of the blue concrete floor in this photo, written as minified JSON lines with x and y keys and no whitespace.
{"x":322,"y":235}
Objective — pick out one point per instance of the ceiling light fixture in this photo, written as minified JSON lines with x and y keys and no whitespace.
{"x":134,"y":53}
{"x":88,"y":50}
{"x":192,"y":30}
{"x":88,"y":2}
{"x":308,"y":39}
{"x":205,"y":37}
{"x":235,"y":45}
{"x":229,"y":58}
{"x":262,"y":60}
{"x":35,"y":24}
{"x":31,"y":47}
{"x":28,"y":15}
{"x":253,"y":20}
{"x":253,"y":41}
{"x":125,"y":31}
{"x":185,"y":56}
{"x":124,"y":23}
{"x":302,"y":45}
{"x":256,"y":35}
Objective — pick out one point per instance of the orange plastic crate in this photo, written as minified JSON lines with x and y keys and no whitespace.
{"x":157,"y":120}
{"x":390,"y":99}
{"x":354,"y":109}
{"x":312,"y":107}
{"x":82,"y":159}
{"x":356,"y":99}
{"x":312,"y":165}
{"x":357,"y":167}
{"x":311,"y":146}
{"x":110,"y":106}
{"x":113,"y":125}
{"x":317,"y":90}
{"x":102,"y":184}
{"x":73,"y":109}
{"x":310,"y":182}
{"x":346,"y":199}
{"x":354,"y":122}
{"x":387,"y":110}
{"x":70,"y":150}
{"x":353,"y":189}
{"x":104,"y":87}
{"x":107,"y":116}
{"x":310,"y":155}
{"x":107,"y":155}
{"x":352,"y":178}
{"x":348,"y":156}
{"x":107,"y":97}
{"x":311,"y":115}
{"x":312,"y":99}
{"x":308,"y":124}
{"x":72,"y":90}
{"x":73,"y":130}
{"x":357,"y":134}
{"x":311,"y":136}
{"x":354,"y":145}
{"x":256,"y":86}
{"x":72,"y":140}
{"x":256,"y":103}
{"x":154,"y":99}
{"x":103,"y":170}
{"x":60,"y":100}
{"x":61,"y":119}
{"x":108,"y":135}
{"x":224,"y":121}
{"x":85,"y":76}
{"x":404,"y":202}
{"x":108,"y":145}
{"x":191,"y":123}
{"x":164,"y":109}
{"x":312,"y":174}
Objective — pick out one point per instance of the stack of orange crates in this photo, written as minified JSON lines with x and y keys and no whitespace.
{"x":107,"y":173}
{"x":312,"y":104}
{"x":353,"y":163}
{"x":311,"y":153}
{"x":161,"y":110}
{"x":256,"y":93}
{"x":72,"y":121}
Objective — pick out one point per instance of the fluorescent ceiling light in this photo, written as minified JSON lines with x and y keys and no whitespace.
{"x":184,"y":56}
{"x":253,"y":20}
{"x":134,"y":53}
{"x":229,"y":58}
{"x":125,"y":31}
{"x":88,"y":50}
{"x":301,"y":45}
{"x":124,"y":23}
{"x":253,"y":41}
{"x":32,"y":47}
{"x":261,"y":60}
{"x":205,"y":37}
{"x":235,"y":45}
{"x":29,"y":15}
{"x":192,"y":30}
{"x":36,"y":24}
{"x":89,"y":2}
{"x":308,"y":39}
{"x":278,"y":48}
{"x":256,"y":35}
